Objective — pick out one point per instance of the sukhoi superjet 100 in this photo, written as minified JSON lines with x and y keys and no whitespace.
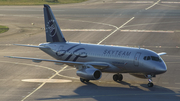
{"x":91,"y":60}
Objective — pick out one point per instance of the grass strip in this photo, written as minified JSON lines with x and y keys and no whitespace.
{"x":3,"y":29}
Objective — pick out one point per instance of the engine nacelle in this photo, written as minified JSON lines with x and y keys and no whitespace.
{"x":89,"y":73}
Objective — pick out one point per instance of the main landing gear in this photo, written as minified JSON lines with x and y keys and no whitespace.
{"x":117,"y":77}
{"x":84,"y":80}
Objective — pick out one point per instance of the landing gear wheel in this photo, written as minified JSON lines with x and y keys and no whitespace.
{"x":87,"y":80}
{"x":117,"y":77}
{"x":120,"y":77}
{"x":150,"y":84}
{"x":84,"y":80}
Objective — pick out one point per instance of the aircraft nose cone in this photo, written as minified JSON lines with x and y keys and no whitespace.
{"x":161,"y":68}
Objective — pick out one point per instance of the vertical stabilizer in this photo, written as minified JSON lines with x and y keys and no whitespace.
{"x":53,"y":32}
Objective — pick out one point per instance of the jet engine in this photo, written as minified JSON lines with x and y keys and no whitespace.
{"x":89,"y":73}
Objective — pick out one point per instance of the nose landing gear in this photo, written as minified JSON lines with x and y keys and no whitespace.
{"x":150,"y":84}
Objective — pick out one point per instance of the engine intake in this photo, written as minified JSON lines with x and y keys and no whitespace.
{"x":89,"y":73}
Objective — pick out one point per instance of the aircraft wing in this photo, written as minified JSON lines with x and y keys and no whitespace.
{"x":98,"y":65}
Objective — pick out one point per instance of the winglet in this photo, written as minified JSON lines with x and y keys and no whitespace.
{"x":53,"y":31}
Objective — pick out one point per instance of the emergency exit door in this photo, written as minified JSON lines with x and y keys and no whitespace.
{"x":136,"y":58}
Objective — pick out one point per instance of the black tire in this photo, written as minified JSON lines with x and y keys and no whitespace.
{"x":150,"y":84}
{"x":87,"y":80}
{"x":120,"y":77}
{"x":82,"y":80}
{"x":115,"y":77}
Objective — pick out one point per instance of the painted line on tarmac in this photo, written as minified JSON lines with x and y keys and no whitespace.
{"x":72,"y":30}
{"x":165,"y":82}
{"x":47,"y":80}
{"x":168,"y":2}
{"x":153,"y":5}
{"x":44,"y":83}
{"x":173,"y":62}
{"x":68,"y":77}
{"x":91,"y":22}
{"x":30,"y":65}
{"x":143,"y":2}
{"x":171,"y":88}
{"x":87,"y":30}
{"x":115,"y":30}
{"x":153,"y":31}
{"x":146,"y":2}
{"x":41,"y":85}
{"x":15,"y":9}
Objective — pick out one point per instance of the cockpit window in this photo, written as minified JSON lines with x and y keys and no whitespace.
{"x":154,"y":58}
{"x":148,"y":58}
{"x":144,"y":58}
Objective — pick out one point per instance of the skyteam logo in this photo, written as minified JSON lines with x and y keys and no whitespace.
{"x":75,"y":53}
{"x":51,"y":28}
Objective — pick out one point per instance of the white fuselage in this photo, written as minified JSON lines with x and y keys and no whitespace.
{"x":122,"y":59}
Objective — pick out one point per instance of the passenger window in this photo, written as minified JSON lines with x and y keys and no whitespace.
{"x":148,"y":58}
{"x":145,"y":58}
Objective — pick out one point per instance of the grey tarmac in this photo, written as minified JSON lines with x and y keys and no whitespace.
{"x":23,"y":80}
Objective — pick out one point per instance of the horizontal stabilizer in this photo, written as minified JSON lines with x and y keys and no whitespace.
{"x":30,"y":46}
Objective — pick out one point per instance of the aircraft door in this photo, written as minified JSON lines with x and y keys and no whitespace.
{"x":136,"y":58}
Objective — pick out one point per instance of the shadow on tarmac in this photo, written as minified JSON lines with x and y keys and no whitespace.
{"x":133,"y":93}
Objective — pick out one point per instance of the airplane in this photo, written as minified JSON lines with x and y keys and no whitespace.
{"x":91,"y":60}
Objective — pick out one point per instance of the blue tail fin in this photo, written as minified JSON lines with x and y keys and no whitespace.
{"x":53,"y":32}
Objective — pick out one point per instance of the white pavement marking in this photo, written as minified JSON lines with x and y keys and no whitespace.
{"x":30,"y":65}
{"x":159,"y":31}
{"x":134,"y":1}
{"x":90,"y":22}
{"x":41,"y":85}
{"x":44,"y":83}
{"x":47,"y":80}
{"x":167,"y":2}
{"x":165,"y":82}
{"x":100,"y":30}
{"x":115,"y":30}
{"x":153,"y":4}
{"x":15,"y":9}
{"x":68,"y":77}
